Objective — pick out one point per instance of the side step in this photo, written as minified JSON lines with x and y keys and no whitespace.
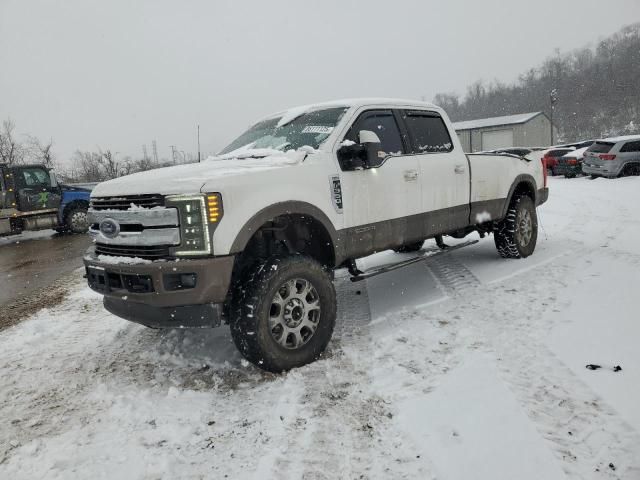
{"x":395,"y":266}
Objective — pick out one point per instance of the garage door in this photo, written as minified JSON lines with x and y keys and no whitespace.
{"x":497,"y":139}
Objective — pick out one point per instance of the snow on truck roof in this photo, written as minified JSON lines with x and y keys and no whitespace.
{"x":495,"y":121}
{"x":294,"y":112}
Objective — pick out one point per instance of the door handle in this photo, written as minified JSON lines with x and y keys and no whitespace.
{"x":459,"y":169}
{"x":410,"y":175}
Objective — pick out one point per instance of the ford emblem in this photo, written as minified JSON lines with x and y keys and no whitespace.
{"x":109,"y":228}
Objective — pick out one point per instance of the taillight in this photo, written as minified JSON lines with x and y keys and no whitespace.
{"x":544,"y":170}
{"x":572,"y":161}
{"x":607,"y":156}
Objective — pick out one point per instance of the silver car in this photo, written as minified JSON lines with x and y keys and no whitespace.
{"x":613,"y":157}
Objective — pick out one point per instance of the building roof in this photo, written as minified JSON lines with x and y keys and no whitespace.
{"x":495,"y":121}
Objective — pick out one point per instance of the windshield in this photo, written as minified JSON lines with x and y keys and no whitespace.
{"x":308,"y":129}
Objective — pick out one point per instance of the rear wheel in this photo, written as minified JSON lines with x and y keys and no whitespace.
{"x":76,"y":220}
{"x":283,"y":313}
{"x":631,"y":170}
{"x":517,"y":234}
{"x":409,"y":247}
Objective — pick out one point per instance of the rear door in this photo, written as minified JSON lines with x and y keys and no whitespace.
{"x":35,"y":189}
{"x":444,"y":172}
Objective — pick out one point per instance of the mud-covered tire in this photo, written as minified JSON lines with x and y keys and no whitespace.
{"x":517,"y":234}
{"x":262,"y":311}
{"x":409,"y":247}
{"x":76,"y":220}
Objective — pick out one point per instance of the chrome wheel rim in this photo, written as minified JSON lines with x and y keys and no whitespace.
{"x":294,"y":314}
{"x":524,"y":232}
{"x":79,"y":221}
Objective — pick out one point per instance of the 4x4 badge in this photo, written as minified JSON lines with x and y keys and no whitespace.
{"x":336,"y":192}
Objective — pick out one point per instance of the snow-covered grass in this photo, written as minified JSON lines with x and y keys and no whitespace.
{"x":465,"y":367}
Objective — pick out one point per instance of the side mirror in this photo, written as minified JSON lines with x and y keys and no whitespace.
{"x":358,"y":156}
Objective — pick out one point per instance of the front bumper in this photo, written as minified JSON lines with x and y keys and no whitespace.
{"x":147,"y":293}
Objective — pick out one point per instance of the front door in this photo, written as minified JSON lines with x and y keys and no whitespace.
{"x":378,"y":201}
{"x":35,"y":189}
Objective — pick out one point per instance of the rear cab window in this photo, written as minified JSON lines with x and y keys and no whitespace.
{"x":427,"y":132}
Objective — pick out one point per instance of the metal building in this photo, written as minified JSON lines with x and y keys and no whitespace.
{"x":522,"y":130}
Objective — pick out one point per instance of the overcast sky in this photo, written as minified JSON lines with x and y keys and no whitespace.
{"x":118,"y":73}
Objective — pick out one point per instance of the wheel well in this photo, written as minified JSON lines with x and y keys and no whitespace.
{"x":290,"y":234}
{"x":74,"y":204}
{"x":524,"y":189}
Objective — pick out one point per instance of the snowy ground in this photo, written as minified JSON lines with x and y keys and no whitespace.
{"x":468,"y":367}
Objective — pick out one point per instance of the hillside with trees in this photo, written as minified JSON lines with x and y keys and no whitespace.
{"x":596,"y":90}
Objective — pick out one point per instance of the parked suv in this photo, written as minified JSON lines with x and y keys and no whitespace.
{"x":613,"y":157}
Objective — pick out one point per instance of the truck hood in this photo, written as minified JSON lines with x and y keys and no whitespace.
{"x":190,"y":178}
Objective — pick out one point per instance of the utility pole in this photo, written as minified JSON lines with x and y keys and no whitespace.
{"x":553,"y":98}
{"x":198,"y":143}
{"x":155,"y":151}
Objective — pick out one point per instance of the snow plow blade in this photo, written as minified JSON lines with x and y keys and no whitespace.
{"x":395,"y":266}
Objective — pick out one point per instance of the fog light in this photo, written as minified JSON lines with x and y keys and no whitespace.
{"x":180,"y":281}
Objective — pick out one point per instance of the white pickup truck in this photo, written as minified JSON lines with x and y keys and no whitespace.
{"x":252,"y":236}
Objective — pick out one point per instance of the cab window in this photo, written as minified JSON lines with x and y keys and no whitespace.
{"x":383,"y":124}
{"x":33,"y":178}
{"x":428,"y":132}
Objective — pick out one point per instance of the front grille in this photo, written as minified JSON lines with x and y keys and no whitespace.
{"x":124,"y":202}
{"x":150,"y":252}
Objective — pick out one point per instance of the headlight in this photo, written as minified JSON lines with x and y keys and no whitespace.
{"x":197,"y":214}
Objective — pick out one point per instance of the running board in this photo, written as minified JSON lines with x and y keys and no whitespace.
{"x":395,"y":266}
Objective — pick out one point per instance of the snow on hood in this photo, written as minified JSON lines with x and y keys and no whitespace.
{"x":191,"y":177}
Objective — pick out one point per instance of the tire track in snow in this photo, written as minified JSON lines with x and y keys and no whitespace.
{"x":553,"y":397}
{"x":342,"y":425}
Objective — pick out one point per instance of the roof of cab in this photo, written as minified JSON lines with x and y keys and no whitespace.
{"x":352,"y":102}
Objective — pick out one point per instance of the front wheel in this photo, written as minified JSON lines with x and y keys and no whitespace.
{"x":517,"y":234}
{"x":283,"y":313}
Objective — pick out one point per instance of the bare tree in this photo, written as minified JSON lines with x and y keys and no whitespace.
{"x":40,"y":152}
{"x":86,"y":167}
{"x":11,"y":151}
{"x":110,"y":164}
